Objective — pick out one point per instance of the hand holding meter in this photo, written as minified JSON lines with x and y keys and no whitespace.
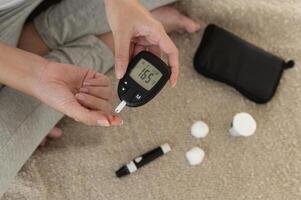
{"x":146,"y":75}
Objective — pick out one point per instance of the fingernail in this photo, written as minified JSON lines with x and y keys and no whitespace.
{"x":118,"y":71}
{"x":119,"y":74}
{"x":114,"y":120}
{"x":86,"y":83}
{"x":86,"y":90}
{"x":102,"y":122}
{"x":79,"y":96}
{"x":173,"y":84}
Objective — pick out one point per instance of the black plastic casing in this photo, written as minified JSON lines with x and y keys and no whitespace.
{"x":129,"y":95}
{"x":145,"y":159}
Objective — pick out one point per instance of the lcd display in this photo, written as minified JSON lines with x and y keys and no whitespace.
{"x":145,"y":74}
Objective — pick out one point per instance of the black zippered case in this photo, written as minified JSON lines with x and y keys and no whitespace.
{"x":225,"y":57}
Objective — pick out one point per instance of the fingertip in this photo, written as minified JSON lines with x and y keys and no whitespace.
{"x":190,"y":25}
{"x":198,"y":26}
{"x":118,"y":75}
{"x":119,"y":71}
{"x":55,"y":133}
{"x":98,"y":119}
{"x":103,"y":122}
{"x":87,"y":83}
{"x":174,"y":77}
{"x":173,"y":83}
{"x":115,"y":120}
{"x":80,"y":96}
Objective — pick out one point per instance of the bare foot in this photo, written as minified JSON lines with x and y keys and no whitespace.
{"x":53,"y":134}
{"x":174,"y":21}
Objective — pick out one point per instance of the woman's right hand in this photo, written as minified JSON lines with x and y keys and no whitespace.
{"x":132,"y":24}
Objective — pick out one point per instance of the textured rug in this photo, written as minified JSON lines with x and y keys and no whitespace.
{"x":265,"y":166}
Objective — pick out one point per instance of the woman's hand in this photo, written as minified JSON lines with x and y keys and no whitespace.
{"x":81,"y":94}
{"x":132,"y":25}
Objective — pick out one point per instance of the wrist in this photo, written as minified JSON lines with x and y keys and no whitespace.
{"x":36,"y":78}
{"x":109,"y":2}
{"x":19,"y":69}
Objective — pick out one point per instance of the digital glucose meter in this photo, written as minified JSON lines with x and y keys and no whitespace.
{"x":146,"y":75}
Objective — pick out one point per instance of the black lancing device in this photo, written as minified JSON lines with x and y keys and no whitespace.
{"x":146,"y":75}
{"x":143,"y":160}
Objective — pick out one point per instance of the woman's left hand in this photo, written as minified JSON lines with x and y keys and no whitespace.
{"x":81,"y":94}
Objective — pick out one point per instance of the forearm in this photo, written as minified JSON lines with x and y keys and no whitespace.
{"x":20,"y":69}
{"x":114,"y":1}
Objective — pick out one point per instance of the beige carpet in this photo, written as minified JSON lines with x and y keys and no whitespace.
{"x":265,"y":166}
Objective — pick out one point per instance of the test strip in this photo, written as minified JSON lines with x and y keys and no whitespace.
{"x":120,"y":107}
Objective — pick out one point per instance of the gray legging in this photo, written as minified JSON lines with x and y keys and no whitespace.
{"x":69,"y":29}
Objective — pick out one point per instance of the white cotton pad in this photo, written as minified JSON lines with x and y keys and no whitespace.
{"x":199,"y":129}
{"x":195,"y":156}
{"x":243,"y":124}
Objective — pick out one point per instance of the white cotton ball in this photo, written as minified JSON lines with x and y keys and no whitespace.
{"x":199,"y":129}
{"x":243,"y":124}
{"x":195,"y":156}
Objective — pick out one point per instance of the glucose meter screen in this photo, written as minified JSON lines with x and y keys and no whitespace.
{"x":145,"y":74}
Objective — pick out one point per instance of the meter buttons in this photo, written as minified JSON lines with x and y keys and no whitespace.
{"x":124,"y":87}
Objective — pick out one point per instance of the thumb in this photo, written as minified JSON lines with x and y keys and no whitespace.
{"x":122,"y":49}
{"x":84,"y":115}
